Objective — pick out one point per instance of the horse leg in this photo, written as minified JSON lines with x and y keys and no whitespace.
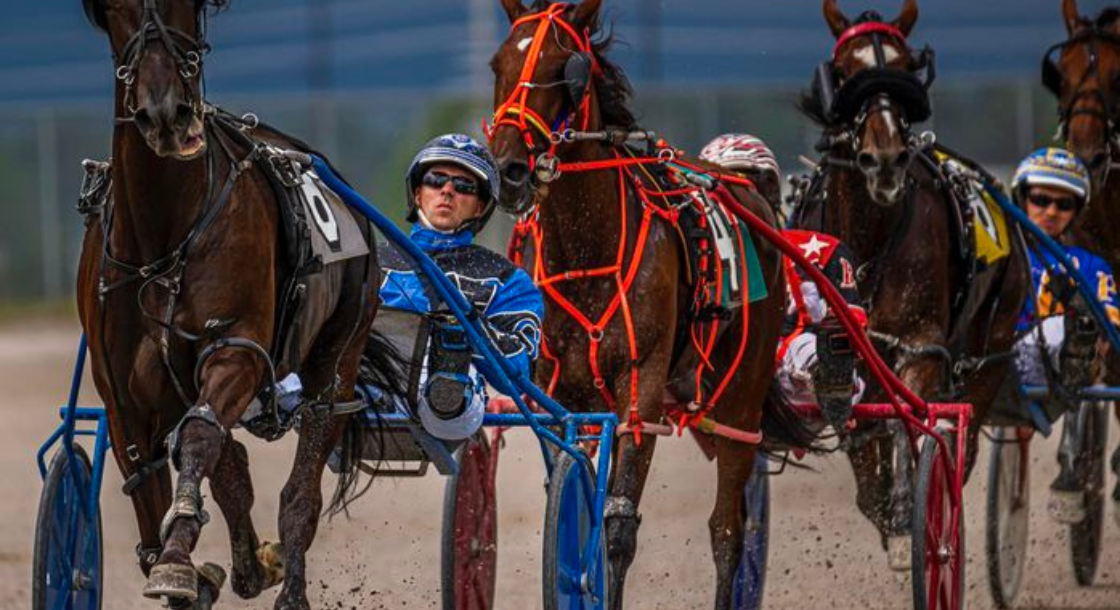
{"x":901,"y":498}
{"x":734,"y":463}
{"x":301,"y":502}
{"x":866,"y":455}
{"x":329,"y":374}
{"x":631,"y":468}
{"x":228,"y":380}
{"x":233,"y":491}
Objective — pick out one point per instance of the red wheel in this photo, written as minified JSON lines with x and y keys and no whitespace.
{"x":470,"y":528}
{"x":938,"y":547}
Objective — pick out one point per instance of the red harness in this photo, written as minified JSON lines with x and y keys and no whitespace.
{"x":871,"y":27}
{"x":515,"y":112}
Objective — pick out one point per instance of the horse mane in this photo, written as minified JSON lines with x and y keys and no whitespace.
{"x":1107,"y":17}
{"x":614,"y":89}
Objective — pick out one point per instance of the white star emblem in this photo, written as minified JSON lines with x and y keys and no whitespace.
{"x":813,"y":247}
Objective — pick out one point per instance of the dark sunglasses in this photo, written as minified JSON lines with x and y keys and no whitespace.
{"x":1065,"y":204}
{"x":463,"y":186}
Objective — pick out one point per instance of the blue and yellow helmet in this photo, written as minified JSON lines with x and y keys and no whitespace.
{"x":1055,"y":167}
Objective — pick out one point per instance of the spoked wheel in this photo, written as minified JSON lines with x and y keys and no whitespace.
{"x":751,"y":576}
{"x":1008,"y":512}
{"x":937,"y":547}
{"x":66,"y":569}
{"x":575,"y":576}
{"x":469,"y":549}
{"x":1085,"y":536}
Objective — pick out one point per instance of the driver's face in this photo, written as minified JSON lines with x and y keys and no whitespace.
{"x":442,"y":199}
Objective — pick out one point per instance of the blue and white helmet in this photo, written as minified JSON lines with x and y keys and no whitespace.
{"x":462,"y":150}
{"x":1055,"y":167}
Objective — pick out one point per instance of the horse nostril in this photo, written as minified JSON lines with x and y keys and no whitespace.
{"x":516,"y":173}
{"x":144,"y":120}
{"x":867,"y":161}
{"x":183,"y":115}
{"x":902,"y":161}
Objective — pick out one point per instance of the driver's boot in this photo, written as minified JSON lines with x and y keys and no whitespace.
{"x":1078,"y":348}
{"x":834,"y":374}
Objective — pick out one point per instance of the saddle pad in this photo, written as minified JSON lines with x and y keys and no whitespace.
{"x":335,"y":235}
{"x":733,"y":243}
{"x":992,"y":240}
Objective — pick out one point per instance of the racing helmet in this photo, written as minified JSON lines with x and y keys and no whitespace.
{"x":462,"y":150}
{"x":1055,"y":167}
{"x":748,"y":154}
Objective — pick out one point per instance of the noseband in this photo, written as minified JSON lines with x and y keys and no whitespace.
{"x":185,"y":51}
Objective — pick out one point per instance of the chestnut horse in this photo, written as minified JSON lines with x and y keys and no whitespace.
{"x":1086,"y":79}
{"x":178,"y":295}
{"x":946,"y":324}
{"x":551,"y":71}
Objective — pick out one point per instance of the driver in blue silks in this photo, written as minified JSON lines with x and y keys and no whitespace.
{"x":1053,"y":185}
{"x":452,"y":187}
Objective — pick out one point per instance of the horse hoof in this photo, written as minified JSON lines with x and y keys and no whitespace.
{"x":271,"y":557}
{"x":172,"y":580}
{"x":1066,"y":507}
{"x":213,"y":576}
{"x":898,"y":553}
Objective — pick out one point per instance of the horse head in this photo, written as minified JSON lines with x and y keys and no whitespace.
{"x":1085,"y":76}
{"x":545,"y":73}
{"x":874,"y":93}
{"x":157,"y":51}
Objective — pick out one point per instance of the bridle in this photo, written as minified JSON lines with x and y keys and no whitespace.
{"x":186,"y":52}
{"x":1091,"y":36}
{"x":541,"y":135}
{"x":847,"y":107}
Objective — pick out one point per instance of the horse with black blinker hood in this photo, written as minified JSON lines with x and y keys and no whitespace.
{"x":942,"y":308}
{"x":200,"y":283}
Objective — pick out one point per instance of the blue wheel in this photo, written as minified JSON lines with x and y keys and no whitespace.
{"x":568,"y":521}
{"x":66,"y":569}
{"x":751,"y":576}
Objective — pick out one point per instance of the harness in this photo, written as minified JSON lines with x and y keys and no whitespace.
{"x":1091,"y":36}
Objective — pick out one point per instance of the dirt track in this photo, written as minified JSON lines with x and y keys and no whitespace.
{"x":386,"y":556}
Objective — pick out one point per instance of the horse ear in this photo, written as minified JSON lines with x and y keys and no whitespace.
{"x":836,"y":20}
{"x":907,"y":18}
{"x":586,"y":12}
{"x":514,"y":9}
{"x":1071,"y":15}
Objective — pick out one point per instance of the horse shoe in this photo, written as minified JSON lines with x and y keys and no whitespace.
{"x":175,"y":581}
{"x":271,"y":557}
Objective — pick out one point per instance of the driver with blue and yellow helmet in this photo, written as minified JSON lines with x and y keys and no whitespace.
{"x":1053,"y":186}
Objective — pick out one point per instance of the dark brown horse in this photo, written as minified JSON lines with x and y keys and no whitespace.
{"x":178,"y":292}
{"x":947,"y":323}
{"x":1086,"y":78}
{"x":551,"y":69}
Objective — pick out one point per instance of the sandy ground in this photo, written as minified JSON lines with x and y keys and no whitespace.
{"x":823,"y":553}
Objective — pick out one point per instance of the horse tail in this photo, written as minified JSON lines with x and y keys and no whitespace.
{"x":782,"y":426}
{"x":382,"y":367}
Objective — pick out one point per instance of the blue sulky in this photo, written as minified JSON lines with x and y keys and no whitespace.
{"x":67,"y":571}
